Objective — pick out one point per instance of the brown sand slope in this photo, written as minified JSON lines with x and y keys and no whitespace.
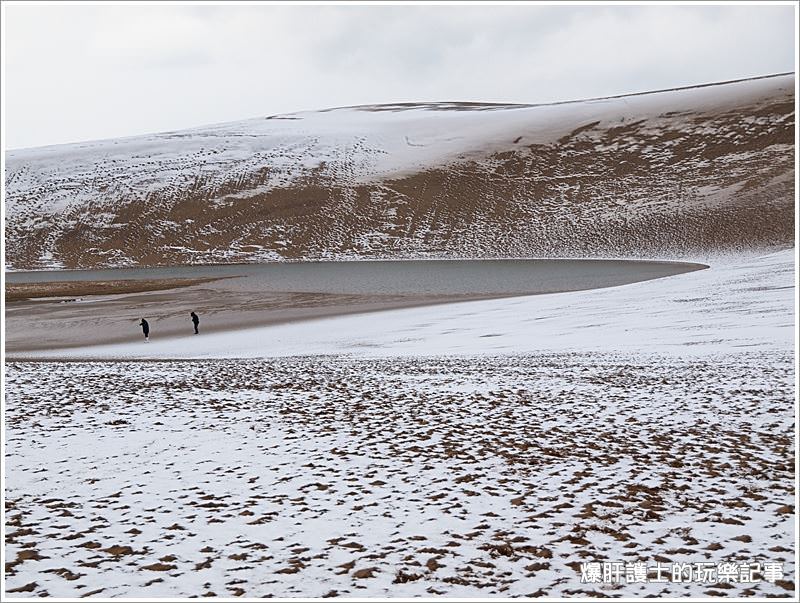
{"x":670,"y":174}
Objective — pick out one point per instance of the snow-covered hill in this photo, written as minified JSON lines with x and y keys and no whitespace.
{"x":683,"y":172}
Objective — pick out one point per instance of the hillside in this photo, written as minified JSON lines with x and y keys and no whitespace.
{"x":679,"y":173}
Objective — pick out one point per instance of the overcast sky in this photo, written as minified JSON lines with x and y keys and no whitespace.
{"x":86,"y":72}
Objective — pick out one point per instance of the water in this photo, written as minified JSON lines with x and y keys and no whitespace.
{"x":411,"y":277}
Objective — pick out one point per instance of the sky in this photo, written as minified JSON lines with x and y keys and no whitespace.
{"x":78,"y":72}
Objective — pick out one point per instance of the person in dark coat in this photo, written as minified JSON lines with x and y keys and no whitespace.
{"x":145,"y":329}
{"x":195,"y":321}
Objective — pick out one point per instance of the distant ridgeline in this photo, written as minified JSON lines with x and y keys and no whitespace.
{"x":678,"y":173}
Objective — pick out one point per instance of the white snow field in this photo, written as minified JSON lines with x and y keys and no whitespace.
{"x":477,"y":449}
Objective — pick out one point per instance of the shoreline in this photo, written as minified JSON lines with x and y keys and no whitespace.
{"x":21,"y":292}
{"x":277,"y":318}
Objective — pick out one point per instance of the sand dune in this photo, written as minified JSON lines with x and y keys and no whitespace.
{"x":474,"y":449}
{"x":677,"y":173}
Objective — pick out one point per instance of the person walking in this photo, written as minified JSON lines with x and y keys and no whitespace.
{"x":195,"y":321}
{"x":145,"y":329}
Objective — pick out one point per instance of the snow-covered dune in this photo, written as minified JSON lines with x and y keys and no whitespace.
{"x":664,"y":174}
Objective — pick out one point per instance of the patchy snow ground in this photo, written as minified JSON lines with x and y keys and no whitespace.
{"x":476,"y":449}
{"x":465,"y":476}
